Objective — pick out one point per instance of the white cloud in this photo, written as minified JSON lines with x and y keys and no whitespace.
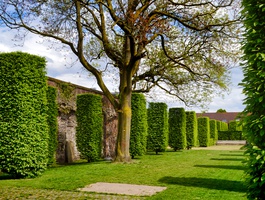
{"x":61,"y":65}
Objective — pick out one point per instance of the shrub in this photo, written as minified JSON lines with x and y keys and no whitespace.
{"x":230,"y":135}
{"x":52,"y":114}
{"x":204,"y":131}
{"x":157,"y":127}
{"x":213,"y":131}
{"x":177,"y":128}
{"x":138,"y":125}
{"x":89,"y":128}
{"x":23,"y":119}
{"x":191,"y":129}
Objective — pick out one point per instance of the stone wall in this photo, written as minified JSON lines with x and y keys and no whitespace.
{"x":66,"y":98}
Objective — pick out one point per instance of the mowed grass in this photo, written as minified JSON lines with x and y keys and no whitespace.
{"x":187,"y":174}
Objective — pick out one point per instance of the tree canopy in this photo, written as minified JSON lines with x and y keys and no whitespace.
{"x":182,"y":47}
{"x":220,"y":110}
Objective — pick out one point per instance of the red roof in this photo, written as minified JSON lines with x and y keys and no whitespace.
{"x":225,"y":117}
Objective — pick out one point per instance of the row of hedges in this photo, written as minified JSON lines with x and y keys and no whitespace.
{"x":186,"y":131}
{"x":26,"y":99}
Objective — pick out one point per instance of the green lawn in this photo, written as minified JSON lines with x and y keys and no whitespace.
{"x":189,"y":174}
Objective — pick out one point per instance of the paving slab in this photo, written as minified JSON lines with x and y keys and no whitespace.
{"x":124,"y":189}
{"x":220,"y":147}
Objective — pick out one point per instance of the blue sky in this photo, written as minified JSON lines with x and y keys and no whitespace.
{"x":61,"y":64}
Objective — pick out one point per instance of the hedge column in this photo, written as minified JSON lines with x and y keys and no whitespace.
{"x":191,"y":129}
{"x":213,"y":132}
{"x":177,"y":128}
{"x":138,"y":125}
{"x":157,"y":127}
{"x":204,"y":131}
{"x":89,"y":128}
{"x":23,"y":121}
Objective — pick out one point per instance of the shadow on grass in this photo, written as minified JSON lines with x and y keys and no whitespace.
{"x":232,"y":154}
{"x":228,"y":159}
{"x":209,"y":183}
{"x":239,"y":151}
{"x":154,"y":153}
{"x":233,"y":167}
{"x":4,"y":176}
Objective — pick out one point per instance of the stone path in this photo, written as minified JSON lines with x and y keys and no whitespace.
{"x":124,"y":189}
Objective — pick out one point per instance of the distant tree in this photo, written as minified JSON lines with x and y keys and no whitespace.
{"x":253,"y":88}
{"x":221,"y":110}
{"x":181,"y":47}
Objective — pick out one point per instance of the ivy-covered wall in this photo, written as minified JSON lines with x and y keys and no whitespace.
{"x":52,"y":113}
{"x":66,"y":100}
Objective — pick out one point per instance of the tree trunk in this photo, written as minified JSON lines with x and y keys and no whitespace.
{"x":125,"y":113}
{"x":124,"y":128}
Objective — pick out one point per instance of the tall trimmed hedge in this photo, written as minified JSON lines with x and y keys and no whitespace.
{"x":89,"y":128}
{"x":138,"y":135}
{"x":52,"y":114}
{"x":204,"y":131}
{"x":191,"y":129}
{"x":253,"y":87}
{"x":213,"y":131}
{"x":157,"y":138}
{"x":23,"y":118}
{"x":177,"y":128}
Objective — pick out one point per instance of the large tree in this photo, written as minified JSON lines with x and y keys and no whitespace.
{"x":183,"y":47}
